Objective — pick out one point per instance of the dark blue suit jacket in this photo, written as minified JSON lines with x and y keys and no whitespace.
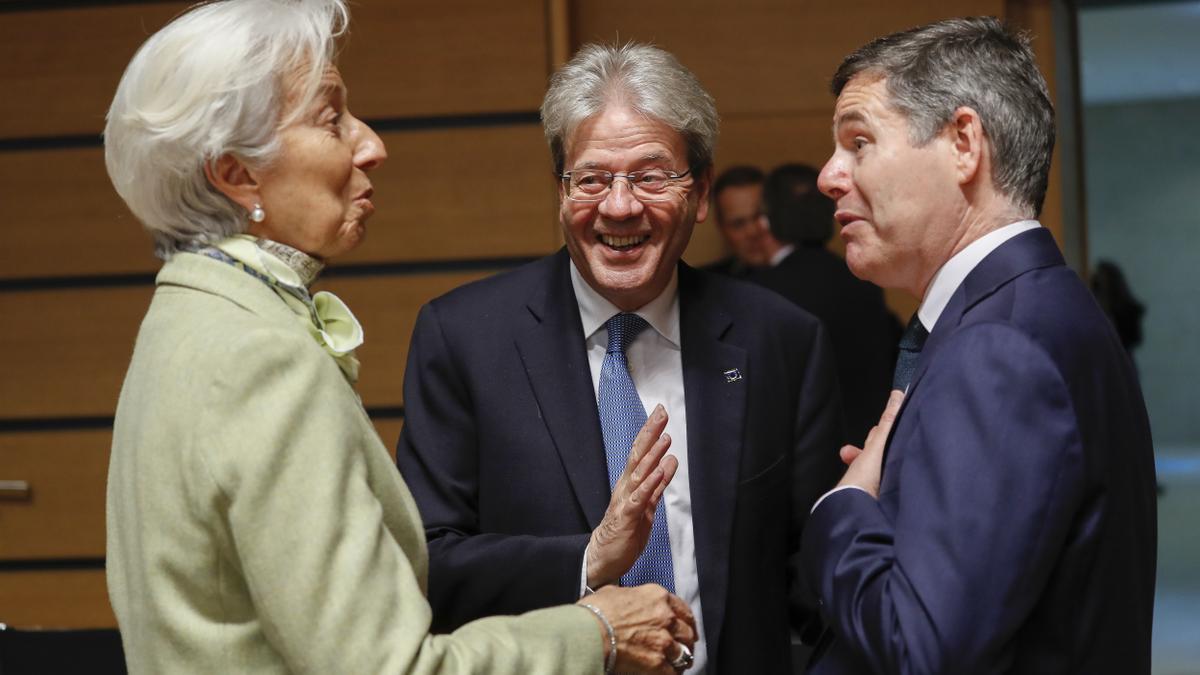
{"x":503,"y":452}
{"x":1015,"y":526}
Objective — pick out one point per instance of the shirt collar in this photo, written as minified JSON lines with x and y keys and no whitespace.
{"x":783,"y":252}
{"x":951,"y":275}
{"x":662,"y":313}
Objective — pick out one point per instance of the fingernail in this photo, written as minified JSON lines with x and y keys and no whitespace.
{"x":666,"y":436}
{"x":659,"y":411}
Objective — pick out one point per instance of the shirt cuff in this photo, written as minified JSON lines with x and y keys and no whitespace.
{"x":583,"y":587}
{"x":814,"y":508}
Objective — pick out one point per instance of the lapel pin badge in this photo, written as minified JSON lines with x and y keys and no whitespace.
{"x":733,"y":375}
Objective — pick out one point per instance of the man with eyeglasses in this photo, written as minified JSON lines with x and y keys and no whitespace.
{"x":524,"y":391}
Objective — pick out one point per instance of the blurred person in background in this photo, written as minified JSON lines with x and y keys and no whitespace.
{"x":862,"y":330}
{"x":738,"y":206}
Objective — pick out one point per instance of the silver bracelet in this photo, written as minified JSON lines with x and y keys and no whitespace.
{"x":611,"y":662}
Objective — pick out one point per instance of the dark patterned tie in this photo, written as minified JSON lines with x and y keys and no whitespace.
{"x":621,"y":417}
{"x":910,"y":351}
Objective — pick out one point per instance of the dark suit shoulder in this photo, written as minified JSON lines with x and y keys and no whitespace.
{"x":1054,"y":308}
{"x":506,"y":288}
{"x":746,"y":301}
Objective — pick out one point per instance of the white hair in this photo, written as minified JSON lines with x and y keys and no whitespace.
{"x":214,"y":81}
{"x":650,"y":80}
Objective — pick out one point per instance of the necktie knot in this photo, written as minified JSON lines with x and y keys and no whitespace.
{"x":622,"y":329}
{"x":914,"y":335}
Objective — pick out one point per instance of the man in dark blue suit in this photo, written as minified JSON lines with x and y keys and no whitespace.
{"x":1001,"y":517}
{"x":518,"y":391}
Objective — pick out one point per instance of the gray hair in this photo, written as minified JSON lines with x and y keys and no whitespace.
{"x":646,"y":78}
{"x":977,"y":62}
{"x":214,"y":81}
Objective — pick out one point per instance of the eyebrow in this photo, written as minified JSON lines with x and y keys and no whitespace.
{"x":849,"y":116}
{"x":845,"y":118}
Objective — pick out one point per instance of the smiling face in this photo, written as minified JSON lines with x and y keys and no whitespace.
{"x":900,"y":207}
{"x":316,"y":193}
{"x":624,"y":248}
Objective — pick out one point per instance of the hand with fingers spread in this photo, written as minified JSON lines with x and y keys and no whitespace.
{"x":654,"y":630}
{"x":623,"y":532}
{"x":865,"y":465}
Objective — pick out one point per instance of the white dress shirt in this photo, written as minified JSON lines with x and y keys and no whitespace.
{"x":656,"y":367}
{"x":947,"y":280}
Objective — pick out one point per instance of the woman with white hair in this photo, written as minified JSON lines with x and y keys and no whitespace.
{"x":255,"y":520}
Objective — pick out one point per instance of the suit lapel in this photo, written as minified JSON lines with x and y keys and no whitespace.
{"x":716,"y":411}
{"x":1027,"y":251}
{"x":555,"y":358}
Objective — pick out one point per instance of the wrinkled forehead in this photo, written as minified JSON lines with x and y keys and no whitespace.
{"x":866,"y":100}
{"x":621,"y":130}
{"x":305,"y":85}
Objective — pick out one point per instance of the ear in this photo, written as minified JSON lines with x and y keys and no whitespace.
{"x":234,"y":180}
{"x":970,"y":145}
{"x":701,"y":188}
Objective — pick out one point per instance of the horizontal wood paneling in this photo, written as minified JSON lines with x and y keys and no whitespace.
{"x":64,"y":516}
{"x":402,"y":59}
{"x":463,"y":193}
{"x":387,"y":308}
{"x":437,"y":197}
{"x":55,"y":599}
{"x":763,"y":56}
{"x":411,"y":57}
{"x":62,"y":217}
{"x":70,"y":354}
{"x":69,"y":349}
{"x":61,"y":66}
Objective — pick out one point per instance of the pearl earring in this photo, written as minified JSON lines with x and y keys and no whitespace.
{"x":257,"y":214}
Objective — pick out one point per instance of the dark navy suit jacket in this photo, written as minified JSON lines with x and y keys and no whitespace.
{"x":1015,"y":526}
{"x":503,"y":452}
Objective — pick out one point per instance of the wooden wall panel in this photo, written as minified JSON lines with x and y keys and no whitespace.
{"x":399,"y":59}
{"x":763,"y":56}
{"x":63,"y":217}
{"x":387,"y":308}
{"x":55,"y":599}
{"x":61,"y":66}
{"x":411,"y":57}
{"x":68,"y":349}
{"x":72,"y":347}
{"x":436,"y":199}
{"x":463,"y":193}
{"x":64,"y":516}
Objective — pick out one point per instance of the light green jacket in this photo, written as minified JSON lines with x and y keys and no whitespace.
{"x":256,"y":523}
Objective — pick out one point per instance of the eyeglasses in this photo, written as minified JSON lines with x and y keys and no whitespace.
{"x":593,"y":185}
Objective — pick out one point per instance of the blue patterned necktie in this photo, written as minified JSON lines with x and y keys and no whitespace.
{"x":621,"y":417}
{"x":911,"y":343}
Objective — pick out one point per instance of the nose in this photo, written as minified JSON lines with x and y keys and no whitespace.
{"x":834,"y":179}
{"x":619,"y":203}
{"x":369,"y":151}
